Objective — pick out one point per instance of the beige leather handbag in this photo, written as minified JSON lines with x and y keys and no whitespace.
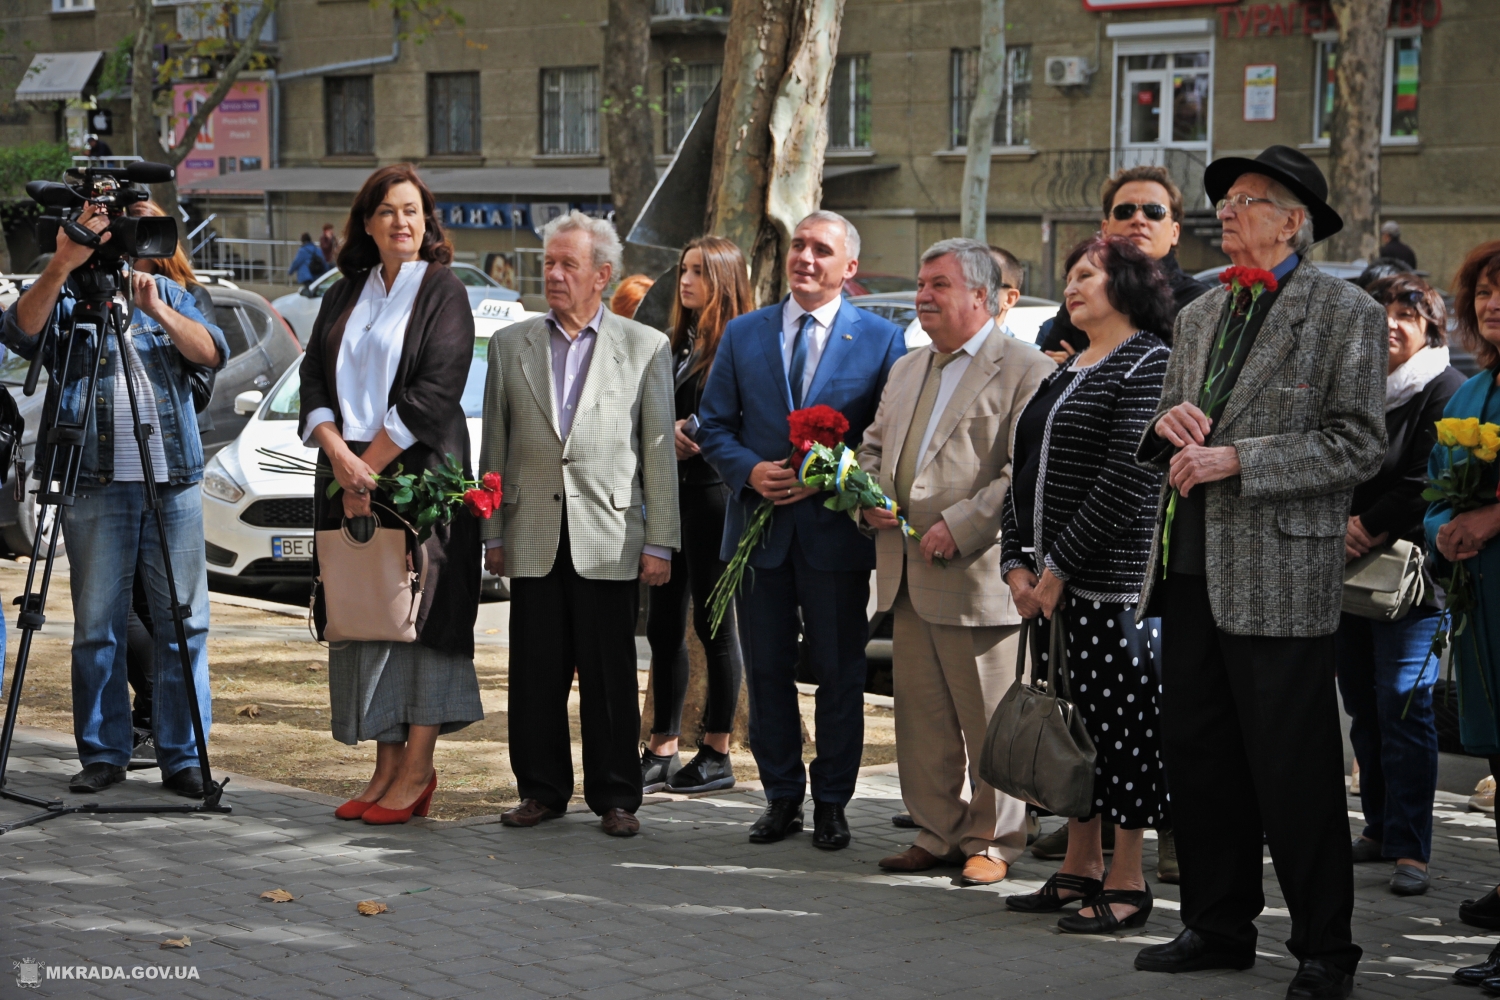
{"x":371,"y":589}
{"x":1036,"y":747}
{"x":1385,"y":582}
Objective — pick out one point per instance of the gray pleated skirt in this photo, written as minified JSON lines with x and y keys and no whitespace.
{"x":377,"y":689}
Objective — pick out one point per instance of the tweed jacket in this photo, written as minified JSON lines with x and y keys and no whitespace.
{"x":961,"y":479}
{"x":1307,"y":419}
{"x":615,"y":475}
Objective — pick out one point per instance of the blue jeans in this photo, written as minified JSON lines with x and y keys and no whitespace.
{"x":1384,"y":671}
{"x":107,"y":529}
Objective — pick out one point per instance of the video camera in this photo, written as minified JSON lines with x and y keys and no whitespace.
{"x":109,"y":188}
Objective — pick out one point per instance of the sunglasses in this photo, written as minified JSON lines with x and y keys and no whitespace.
{"x":1125,"y":211}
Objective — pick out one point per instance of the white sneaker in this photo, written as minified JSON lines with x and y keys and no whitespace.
{"x":1483,"y":799}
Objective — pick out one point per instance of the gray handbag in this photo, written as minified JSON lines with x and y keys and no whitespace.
{"x":1385,"y":582}
{"x":1036,"y":748}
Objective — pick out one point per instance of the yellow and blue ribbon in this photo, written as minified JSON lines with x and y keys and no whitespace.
{"x":846,"y":466}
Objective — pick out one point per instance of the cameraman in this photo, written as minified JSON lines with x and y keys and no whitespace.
{"x":108,"y":528}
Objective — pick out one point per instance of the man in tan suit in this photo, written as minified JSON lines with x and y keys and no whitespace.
{"x":940,"y":444}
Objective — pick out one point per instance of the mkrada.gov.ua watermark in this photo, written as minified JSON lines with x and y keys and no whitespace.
{"x":30,"y":974}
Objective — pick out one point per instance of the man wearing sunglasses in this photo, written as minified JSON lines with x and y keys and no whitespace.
{"x":1144,"y":206}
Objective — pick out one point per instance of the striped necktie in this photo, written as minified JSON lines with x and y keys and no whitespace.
{"x":799,"y":359}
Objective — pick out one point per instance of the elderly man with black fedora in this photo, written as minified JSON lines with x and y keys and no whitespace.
{"x":1272,"y":413}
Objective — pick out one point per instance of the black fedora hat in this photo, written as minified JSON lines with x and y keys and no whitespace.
{"x":1291,"y":168}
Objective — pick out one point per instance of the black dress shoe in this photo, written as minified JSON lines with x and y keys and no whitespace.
{"x":830,"y":828}
{"x":96,"y":777}
{"x":782,"y":816}
{"x":1318,"y":978}
{"x":1474,"y":975}
{"x":1363,"y":849}
{"x":187,"y":782}
{"x":1104,"y":920}
{"x":1482,"y":912}
{"x":1189,"y":953}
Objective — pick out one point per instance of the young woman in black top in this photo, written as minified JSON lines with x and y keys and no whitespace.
{"x":713,"y":287}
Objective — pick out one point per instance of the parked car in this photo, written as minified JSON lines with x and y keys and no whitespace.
{"x":258,"y":524}
{"x":864,"y":283}
{"x":301,"y":307}
{"x":1023,"y":321}
{"x":261,"y":348}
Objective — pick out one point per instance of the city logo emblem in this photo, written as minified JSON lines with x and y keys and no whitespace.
{"x":29,"y":973}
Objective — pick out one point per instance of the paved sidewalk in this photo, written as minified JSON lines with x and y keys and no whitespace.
{"x":687,"y":909}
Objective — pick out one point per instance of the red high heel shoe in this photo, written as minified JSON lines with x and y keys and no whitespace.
{"x":378,"y":815}
{"x":353,"y":809}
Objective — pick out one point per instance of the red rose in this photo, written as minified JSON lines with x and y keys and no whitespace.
{"x":1247,"y":277}
{"x":816,"y":425}
{"x":491,"y":483}
{"x":481,"y":503}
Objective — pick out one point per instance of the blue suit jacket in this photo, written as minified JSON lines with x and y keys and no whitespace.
{"x":744,"y":421}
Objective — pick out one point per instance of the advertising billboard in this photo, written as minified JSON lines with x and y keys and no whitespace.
{"x":237,"y":136}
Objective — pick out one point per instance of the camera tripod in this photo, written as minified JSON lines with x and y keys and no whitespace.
{"x":99,"y":315}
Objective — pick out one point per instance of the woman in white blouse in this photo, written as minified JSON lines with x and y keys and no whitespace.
{"x":382,"y":383}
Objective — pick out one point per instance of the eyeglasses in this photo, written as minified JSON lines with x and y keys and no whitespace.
{"x":1125,"y":211}
{"x":1238,"y":202}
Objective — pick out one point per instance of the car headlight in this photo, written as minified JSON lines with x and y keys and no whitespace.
{"x":219,"y":484}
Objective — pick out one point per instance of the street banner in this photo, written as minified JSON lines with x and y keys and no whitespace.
{"x":235,"y":140}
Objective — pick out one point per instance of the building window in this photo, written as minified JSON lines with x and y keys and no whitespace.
{"x":64,"y":6}
{"x":1403,"y":59}
{"x":452,"y":113}
{"x":849,"y":104}
{"x":570,"y":110}
{"x":349,"y":111}
{"x":688,"y":86}
{"x":1165,"y":98}
{"x":1013,"y":121}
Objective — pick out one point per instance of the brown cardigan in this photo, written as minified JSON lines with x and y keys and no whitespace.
{"x":427,"y":394}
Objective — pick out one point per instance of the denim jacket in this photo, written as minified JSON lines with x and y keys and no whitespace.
{"x":166,"y":369}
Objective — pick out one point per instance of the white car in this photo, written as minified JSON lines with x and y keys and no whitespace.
{"x":258,"y":524}
{"x":300,"y":308}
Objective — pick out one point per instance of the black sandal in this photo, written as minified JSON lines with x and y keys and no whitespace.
{"x":1047,"y":900}
{"x":1104,"y":920}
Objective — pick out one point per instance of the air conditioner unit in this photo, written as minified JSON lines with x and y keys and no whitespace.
{"x":1067,"y":71}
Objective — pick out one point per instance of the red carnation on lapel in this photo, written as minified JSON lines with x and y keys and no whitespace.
{"x":816,"y":425}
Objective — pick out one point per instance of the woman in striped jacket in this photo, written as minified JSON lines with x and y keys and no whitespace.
{"x":1079,"y":513}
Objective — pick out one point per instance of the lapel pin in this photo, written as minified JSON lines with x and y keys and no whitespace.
{"x":848,"y":336}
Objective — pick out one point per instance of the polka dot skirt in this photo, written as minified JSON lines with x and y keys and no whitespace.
{"x":1113,"y":677}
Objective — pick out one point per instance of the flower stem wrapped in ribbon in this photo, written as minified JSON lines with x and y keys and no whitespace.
{"x":1246,"y":285}
{"x":823,"y":462}
{"x":1472,"y":448}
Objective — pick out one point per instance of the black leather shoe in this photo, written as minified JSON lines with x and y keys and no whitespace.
{"x":1482,"y":912}
{"x":782,"y":816}
{"x":1365,"y":850}
{"x":1473,"y":975}
{"x":1189,"y":953}
{"x":1318,"y":978}
{"x":830,"y":828}
{"x":187,"y":782}
{"x":96,"y":777}
{"x":1409,"y":880}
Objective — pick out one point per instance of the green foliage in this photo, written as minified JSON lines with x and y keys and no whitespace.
{"x":38,"y":161}
{"x":115,"y":76}
{"x":427,"y":498}
{"x":420,"y":19}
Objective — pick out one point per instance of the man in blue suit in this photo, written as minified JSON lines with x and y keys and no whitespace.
{"x":808,"y":349}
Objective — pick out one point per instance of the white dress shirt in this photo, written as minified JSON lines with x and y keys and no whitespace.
{"x":369,"y":355}
{"x":948,"y":382}
{"x":817,"y":337}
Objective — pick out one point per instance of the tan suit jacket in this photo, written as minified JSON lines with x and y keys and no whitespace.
{"x":962,"y":479}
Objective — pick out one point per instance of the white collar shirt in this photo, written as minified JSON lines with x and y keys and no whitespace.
{"x":817,"y":339}
{"x":948,"y":382}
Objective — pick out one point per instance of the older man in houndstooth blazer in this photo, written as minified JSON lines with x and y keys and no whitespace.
{"x":578,"y":418}
{"x":1249,"y":589}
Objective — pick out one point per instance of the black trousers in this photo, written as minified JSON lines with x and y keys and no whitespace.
{"x":560,"y":623}
{"x":696,"y":567}
{"x":1250,"y":730}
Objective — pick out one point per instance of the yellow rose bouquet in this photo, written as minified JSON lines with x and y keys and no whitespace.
{"x":1471,"y":448}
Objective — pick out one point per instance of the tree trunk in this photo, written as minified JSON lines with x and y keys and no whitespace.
{"x":1354,"y":144}
{"x":772,"y":129}
{"x":631,"y":158}
{"x":990,"y":91}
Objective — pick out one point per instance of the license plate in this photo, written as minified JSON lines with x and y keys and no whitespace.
{"x":291,"y":548}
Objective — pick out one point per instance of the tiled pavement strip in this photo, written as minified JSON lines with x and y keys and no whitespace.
{"x":687,"y":909}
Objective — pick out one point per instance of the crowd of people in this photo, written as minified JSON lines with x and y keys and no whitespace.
{"x":1175,"y":476}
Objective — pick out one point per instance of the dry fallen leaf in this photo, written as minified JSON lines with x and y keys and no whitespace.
{"x":490,"y":856}
{"x":253,"y":711}
{"x":491,"y":631}
{"x":314,"y":666}
{"x":277,"y":896}
{"x":181,"y":942}
{"x":370,"y":907}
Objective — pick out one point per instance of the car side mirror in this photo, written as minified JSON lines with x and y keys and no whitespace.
{"x":248,"y":402}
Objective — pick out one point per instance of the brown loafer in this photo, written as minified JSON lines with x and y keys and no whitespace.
{"x":913,"y":859}
{"x":982,"y":869}
{"x":529,"y":813}
{"x":619,"y":823}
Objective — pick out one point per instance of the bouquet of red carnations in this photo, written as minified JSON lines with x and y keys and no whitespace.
{"x":823,"y":461}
